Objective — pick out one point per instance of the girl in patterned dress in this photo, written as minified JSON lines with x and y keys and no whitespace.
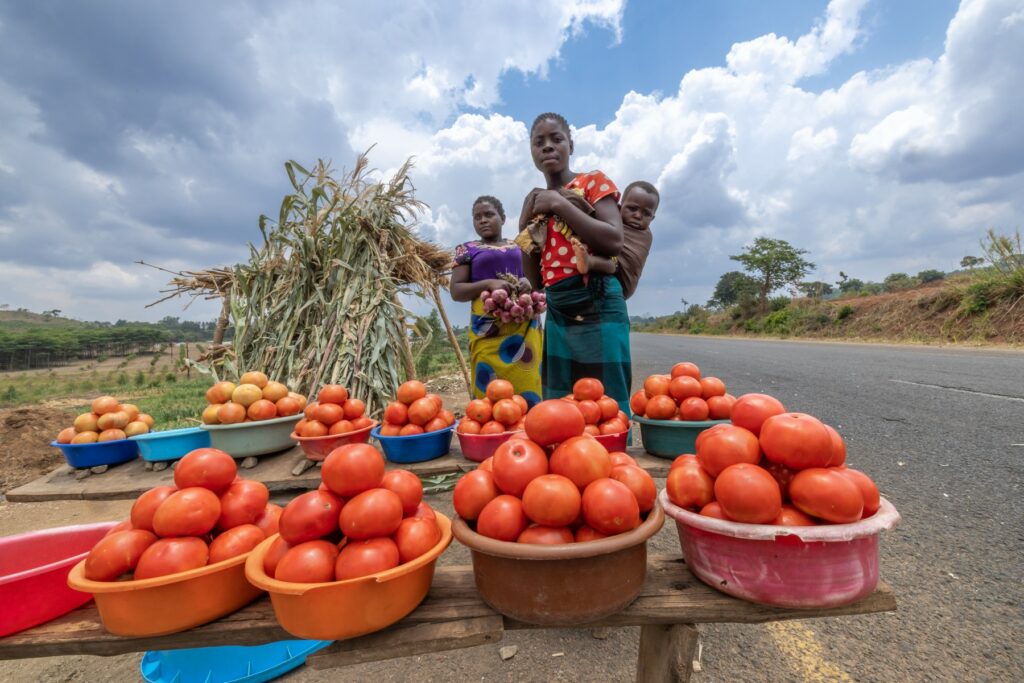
{"x":497,"y":350}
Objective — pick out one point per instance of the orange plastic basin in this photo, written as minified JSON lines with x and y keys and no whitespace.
{"x":338,"y":610}
{"x":168,"y":604}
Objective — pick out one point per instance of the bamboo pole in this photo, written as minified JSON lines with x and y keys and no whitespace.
{"x":454,"y":341}
{"x":222,"y":321}
{"x":406,"y":350}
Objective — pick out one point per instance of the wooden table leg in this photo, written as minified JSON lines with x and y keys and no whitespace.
{"x":666,"y":653}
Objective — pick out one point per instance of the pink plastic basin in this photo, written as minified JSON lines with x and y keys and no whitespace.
{"x":479,"y":447}
{"x":34,"y":573}
{"x":784,"y":566}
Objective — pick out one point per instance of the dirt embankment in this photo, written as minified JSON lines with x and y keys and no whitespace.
{"x":25,"y":451}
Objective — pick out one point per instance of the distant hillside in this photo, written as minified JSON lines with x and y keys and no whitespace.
{"x":24,"y":319}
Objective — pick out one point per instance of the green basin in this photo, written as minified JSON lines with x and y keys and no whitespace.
{"x":254,"y":438}
{"x":670,"y":438}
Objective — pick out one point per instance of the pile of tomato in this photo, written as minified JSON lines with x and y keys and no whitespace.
{"x":682,"y":395}
{"x":209,"y":515}
{"x":769,"y":466}
{"x":600,"y":411}
{"x":333,"y":412}
{"x":255,"y":397}
{"x":362,"y":520}
{"x":580,"y":492}
{"x":415,"y":412}
{"x":501,"y":410}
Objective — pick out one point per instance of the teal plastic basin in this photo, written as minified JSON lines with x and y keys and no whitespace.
{"x":254,"y":438}
{"x":670,"y":438}
{"x":171,"y":444}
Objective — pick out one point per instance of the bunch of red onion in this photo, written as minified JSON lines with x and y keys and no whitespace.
{"x":513,"y":308}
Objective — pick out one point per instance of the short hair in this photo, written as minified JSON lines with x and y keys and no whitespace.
{"x":557,"y":118}
{"x":643,"y":185}
{"x":493,"y":201}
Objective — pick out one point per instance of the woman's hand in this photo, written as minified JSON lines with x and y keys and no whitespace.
{"x":496,"y":284}
{"x":548,"y":201}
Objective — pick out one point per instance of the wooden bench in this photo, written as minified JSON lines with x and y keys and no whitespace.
{"x":453,"y":616}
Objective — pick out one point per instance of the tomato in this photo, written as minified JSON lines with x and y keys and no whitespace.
{"x":689,"y":486}
{"x":615,"y":426}
{"x":790,"y":516}
{"x":126,"y":525}
{"x":796,"y":440}
{"x":207,"y":467}
{"x":145,"y":506}
{"x":309,"y":516}
{"x":581,"y":459}
{"x":552,"y":500}
{"x":502,"y":519}
{"x":587,"y":389}
{"x":660,"y":407}
{"x":472,"y":492}
{"x":416,"y":537}
{"x":609,"y":407}
{"x":683,"y":387}
{"x":479,"y":411}
{"x":639,"y":482}
{"x":751,"y":410}
{"x":332,"y":393}
{"x":554,"y":421}
{"x":243,"y":503}
{"x":235,"y":541}
{"x":492,"y":427}
{"x":591,"y":411}
{"x":363,"y":422}
{"x":411,"y":391}
{"x":727,"y":445}
{"x":488,"y":464}
{"x":592,"y":430}
{"x":341,"y":427}
{"x":638,"y":403}
{"x":309,"y":562}
{"x":868,"y":489}
{"x":269,"y":519}
{"x":192,"y":511}
{"x":747,"y":493}
{"x":710,"y":430}
{"x":620,"y":458}
{"x":422,"y":411}
{"x":693,"y":408}
{"x":354,"y":409}
{"x":711,"y":386}
{"x":172,"y":555}
{"x":352,"y":469}
{"x":586,"y":533}
{"x":278,"y":549}
{"x":117,"y":554}
{"x":411,"y":430}
{"x":310,"y":410}
{"x":314,"y":428}
{"x":424,"y":511}
{"x":407,"y":486}
{"x":838,"y":448}
{"x":827,"y":494}
{"x":713,"y":509}
{"x":782,"y":475}
{"x":507,"y":411}
{"x":376,"y":512}
{"x":610,"y":507}
{"x":719,"y":407}
{"x":517,"y":462}
{"x":468,"y":426}
{"x":656,"y":385}
{"x":685,"y":369}
{"x":684,"y":459}
{"x":365,"y":557}
{"x":328,"y":413}
{"x":498,"y":389}
{"x":539,"y":534}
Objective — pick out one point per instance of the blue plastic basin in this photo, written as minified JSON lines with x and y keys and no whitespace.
{"x":171,"y":444}
{"x":232,"y":664}
{"x":417,"y":447}
{"x":80,"y":455}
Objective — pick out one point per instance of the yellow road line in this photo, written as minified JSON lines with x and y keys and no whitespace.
{"x":804,"y":652}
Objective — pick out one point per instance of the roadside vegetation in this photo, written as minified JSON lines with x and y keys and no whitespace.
{"x":983,"y":302}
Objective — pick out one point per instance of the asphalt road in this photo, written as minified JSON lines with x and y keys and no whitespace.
{"x":936,"y":430}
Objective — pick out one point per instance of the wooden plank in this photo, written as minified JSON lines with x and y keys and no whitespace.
{"x":666,"y":653}
{"x":671,"y":595}
{"x":404,"y":641}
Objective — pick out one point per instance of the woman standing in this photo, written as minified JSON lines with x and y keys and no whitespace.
{"x":587,"y":331}
{"x":497,"y":350}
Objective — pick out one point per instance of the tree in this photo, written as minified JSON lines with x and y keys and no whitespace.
{"x":850,"y":284}
{"x":971,"y":262}
{"x":897,"y":281}
{"x":732,"y":288}
{"x":773,"y":264}
{"x":931,"y":275}
{"x":814,"y":290}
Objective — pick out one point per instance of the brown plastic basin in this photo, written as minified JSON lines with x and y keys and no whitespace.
{"x":560,"y":585}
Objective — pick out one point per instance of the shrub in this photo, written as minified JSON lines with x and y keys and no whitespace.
{"x":140,"y":378}
{"x":845,"y":312}
{"x":931,"y":275}
{"x":777,"y":322}
{"x":777,"y":303}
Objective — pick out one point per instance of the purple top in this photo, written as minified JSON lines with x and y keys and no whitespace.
{"x":487,"y":261}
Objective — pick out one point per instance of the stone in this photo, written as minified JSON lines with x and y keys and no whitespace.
{"x":249,"y":462}
{"x":99,"y":469}
{"x":508,"y":652}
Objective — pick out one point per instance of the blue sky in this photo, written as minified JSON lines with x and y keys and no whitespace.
{"x":880,"y":136}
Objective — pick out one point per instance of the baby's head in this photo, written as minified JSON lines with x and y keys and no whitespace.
{"x":639,"y":204}
{"x":550,"y":142}
{"x":488,"y":217}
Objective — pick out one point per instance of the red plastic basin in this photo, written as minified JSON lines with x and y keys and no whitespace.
{"x":784,"y":566}
{"x":479,"y":447}
{"x":34,"y":570}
